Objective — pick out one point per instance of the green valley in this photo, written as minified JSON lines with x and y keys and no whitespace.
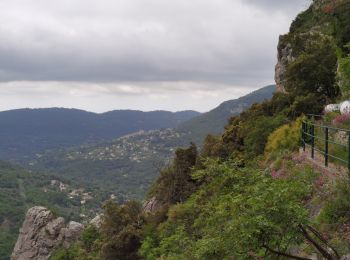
{"x":127,"y":166}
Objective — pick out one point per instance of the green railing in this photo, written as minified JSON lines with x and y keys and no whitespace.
{"x":320,"y":137}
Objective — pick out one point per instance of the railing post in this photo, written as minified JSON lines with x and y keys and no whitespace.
{"x":326,"y":148}
{"x":349,"y":150}
{"x":312,"y":141}
{"x":303,"y":135}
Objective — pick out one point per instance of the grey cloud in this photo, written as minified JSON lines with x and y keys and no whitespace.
{"x":127,"y":40}
{"x":103,"y":97}
{"x":143,"y":54}
{"x":280,"y":5}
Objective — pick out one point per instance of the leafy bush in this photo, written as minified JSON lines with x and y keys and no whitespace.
{"x":121,"y":231}
{"x":237,"y":214}
{"x":285,"y":138}
{"x":310,"y":103}
{"x":314,"y":69}
{"x":175,"y":183}
{"x":89,"y":237}
{"x":65,"y":254}
{"x":344,"y":75}
{"x":257,"y":133}
{"x":337,"y":208}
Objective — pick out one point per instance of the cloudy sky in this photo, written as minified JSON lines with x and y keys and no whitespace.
{"x":138,"y":54}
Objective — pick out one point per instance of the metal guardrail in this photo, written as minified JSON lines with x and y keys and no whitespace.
{"x":308,"y":138}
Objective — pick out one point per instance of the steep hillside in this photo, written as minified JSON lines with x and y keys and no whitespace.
{"x":213,"y":122}
{"x":316,"y":48}
{"x":25,"y":132}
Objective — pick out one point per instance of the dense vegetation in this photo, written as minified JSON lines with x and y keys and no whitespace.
{"x":248,"y":194}
{"x":213,"y":122}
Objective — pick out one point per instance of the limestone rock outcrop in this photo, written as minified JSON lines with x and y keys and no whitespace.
{"x":284,"y":58}
{"x":42,"y":233}
{"x":151,"y":205}
{"x":97,"y":221}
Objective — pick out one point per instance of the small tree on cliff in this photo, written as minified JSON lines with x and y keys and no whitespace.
{"x":175,"y":183}
{"x":314,"y":70}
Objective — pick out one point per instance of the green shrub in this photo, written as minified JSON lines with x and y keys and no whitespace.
{"x":337,"y":208}
{"x":285,"y":138}
{"x":175,"y":183}
{"x":121,"y":231}
{"x":89,"y":237}
{"x":344,"y":74}
{"x":257,"y":133}
{"x":65,"y":254}
{"x":314,"y":69}
{"x":234,"y":215}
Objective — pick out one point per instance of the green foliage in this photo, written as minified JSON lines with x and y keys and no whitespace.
{"x":235,"y":214}
{"x":175,"y":183}
{"x":337,"y":207}
{"x":314,"y":69}
{"x":121,"y":231}
{"x":89,"y":237}
{"x":213,"y":122}
{"x":344,"y":74}
{"x":247,"y":134}
{"x":88,"y":247}
{"x":65,"y":254}
{"x":257,"y":133}
{"x":212,"y":147}
{"x":285,"y":138}
{"x":307,"y":104}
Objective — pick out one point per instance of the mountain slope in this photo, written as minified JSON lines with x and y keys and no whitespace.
{"x":128,"y":165}
{"x":25,"y":132}
{"x":213,"y":122}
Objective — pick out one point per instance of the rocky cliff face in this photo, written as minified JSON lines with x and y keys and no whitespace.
{"x":284,"y":58}
{"x":324,"y":19}
{"x":152,"y":205}
{"x":42,"y":233}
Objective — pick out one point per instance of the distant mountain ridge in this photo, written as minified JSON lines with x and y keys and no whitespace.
{"x":24,"y":132}
{"x":213,"y":122}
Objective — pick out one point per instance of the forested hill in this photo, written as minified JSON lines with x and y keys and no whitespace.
{"x":125,"y":166}
{"x":25,"y":132}
{"x":213,"y":122}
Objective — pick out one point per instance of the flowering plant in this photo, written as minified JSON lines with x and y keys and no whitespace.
{"x":328,"y":9}
{"x":341,"y":119}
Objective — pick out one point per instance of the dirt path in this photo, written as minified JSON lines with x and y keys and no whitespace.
{"x":333,"y":171}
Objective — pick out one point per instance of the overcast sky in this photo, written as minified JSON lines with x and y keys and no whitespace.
{"x":103,"y":55}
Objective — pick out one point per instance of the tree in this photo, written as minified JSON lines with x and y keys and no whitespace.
{"x":175,"y":183}
{"x":121,"y":231}
{"x":314,"y":69}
